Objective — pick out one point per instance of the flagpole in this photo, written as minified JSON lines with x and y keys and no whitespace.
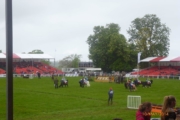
{"x":138,"y":69}
{"x":138,"y":61}
{"x":54,"y":57}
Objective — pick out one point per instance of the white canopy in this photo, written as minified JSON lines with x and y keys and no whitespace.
{"x":27,"y":56}
{"x":2,"y":56}
{"x":148,"y":59}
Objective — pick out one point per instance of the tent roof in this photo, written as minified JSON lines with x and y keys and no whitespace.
{"x":176,"y":59}
{"x":167,"y":59}
{"x":157,"y":59}
{"x":162,"y":59}
{"x":24,"y":56}
{"x":46,"y":56}
{"x":148,"y":59}
{"x":28,"y":56}
{"x":2,"y":56}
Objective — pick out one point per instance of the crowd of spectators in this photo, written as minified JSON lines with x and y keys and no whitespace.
{"x":29,"y":67}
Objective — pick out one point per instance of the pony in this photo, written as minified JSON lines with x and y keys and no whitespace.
{"x":129,"y":85}
{"x":147,"y":83}
{"x":132,"y":87}
{"x":84,"y":82}
{"x":25,"y":76}
{"x":137,"y":82}
{"x":81,"y":83}
{"x":63,"y":83}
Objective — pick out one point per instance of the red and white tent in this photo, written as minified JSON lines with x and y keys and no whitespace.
{"x":161,"y":59}
{"x":148,"y":59}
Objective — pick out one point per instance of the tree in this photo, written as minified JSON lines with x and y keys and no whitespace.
{"x":0,"y":51}
{"x":150,"y":36}
{"x":108,"y":48}
{"x":46,"y":62}
{"x":71,"y":61}
{"x":36,"y":52}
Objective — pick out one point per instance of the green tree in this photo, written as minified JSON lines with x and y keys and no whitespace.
{"x":109,"y":49}
{"x":46,"y":62}
{"x":71,"y":61}
{"x":150,"y":36}
{"x":36,"y":52}
{"x":0,"y":51}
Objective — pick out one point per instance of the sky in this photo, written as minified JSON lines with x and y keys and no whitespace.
{"x":61,"y":27}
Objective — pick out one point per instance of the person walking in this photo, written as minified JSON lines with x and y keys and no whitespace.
{"x":110,"y":93}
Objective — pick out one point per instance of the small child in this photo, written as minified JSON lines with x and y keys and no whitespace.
{"x":110,"y":93}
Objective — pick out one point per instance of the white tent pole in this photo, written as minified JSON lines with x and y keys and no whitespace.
{"x":32,"y":65}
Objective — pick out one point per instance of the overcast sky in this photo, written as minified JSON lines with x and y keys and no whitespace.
{"x":61,"y":27}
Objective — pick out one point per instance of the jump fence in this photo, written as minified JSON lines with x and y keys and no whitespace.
{"x":133,"y":102}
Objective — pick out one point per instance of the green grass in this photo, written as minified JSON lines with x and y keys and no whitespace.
{"x":36,"y":99}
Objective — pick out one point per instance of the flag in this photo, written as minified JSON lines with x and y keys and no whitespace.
{"x":139,"y":57}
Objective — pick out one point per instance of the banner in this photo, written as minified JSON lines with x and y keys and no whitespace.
{"x":104,"y":79}
{"x":139,"y":57}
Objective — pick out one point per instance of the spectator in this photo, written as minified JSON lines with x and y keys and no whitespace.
{"x":110,"y":93}
{"x":39,"y":75}
{"x":168,"y":111}
{"x":144,"y":111}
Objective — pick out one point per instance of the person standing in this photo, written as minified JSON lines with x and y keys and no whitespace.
{"x":39,"y":75}
{"x":56,"y":83}
{"x":110,"y":93}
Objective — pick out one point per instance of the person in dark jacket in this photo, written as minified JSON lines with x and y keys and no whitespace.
{"x":56,"y":83}
{"x":168,"y":111}
{"x":110,"y":93}
{"x":39,"y":75}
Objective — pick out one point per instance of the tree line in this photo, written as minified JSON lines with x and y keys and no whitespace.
{"x":112,"y":51}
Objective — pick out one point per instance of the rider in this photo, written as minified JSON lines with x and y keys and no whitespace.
{"x":81,"y":82}
{"x":64,"y":80}
{"x":136,"y":80}
{"x":133,"y":85}
{"x":139,"y":81}
{"x":86,"y":78}
{"x":148,"y":81}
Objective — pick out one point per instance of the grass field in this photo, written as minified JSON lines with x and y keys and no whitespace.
{"x":36,"y":99}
